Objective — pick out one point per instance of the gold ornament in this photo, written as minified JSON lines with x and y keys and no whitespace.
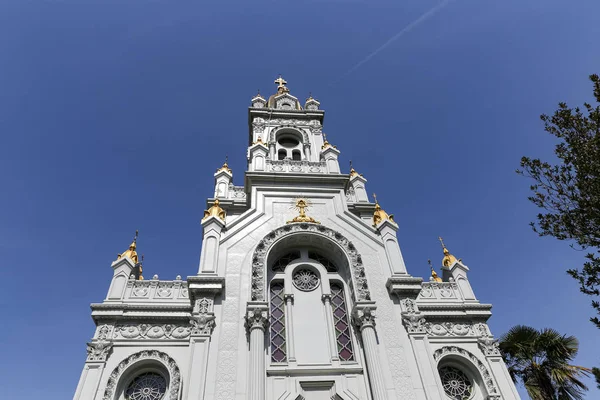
{"x":302,"y":205}
{"x":380,"y":215}
{"x":131,"y":253}
{"x":448,"y":259}
{"x":434,"y":274}
{"x":214,"y":211}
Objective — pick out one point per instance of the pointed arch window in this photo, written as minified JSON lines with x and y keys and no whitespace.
{"x":277,"y":331}
{"x":340,"y":322}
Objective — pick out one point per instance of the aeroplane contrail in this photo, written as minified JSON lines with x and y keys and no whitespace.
{"x":407,"y":28}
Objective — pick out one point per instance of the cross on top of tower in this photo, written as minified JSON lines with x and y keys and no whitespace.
{"x":280,"y":82}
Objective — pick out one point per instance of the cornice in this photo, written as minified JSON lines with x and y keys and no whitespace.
{"x":338,"y":181}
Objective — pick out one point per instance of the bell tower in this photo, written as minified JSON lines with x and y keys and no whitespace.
{"x":301,"y":292}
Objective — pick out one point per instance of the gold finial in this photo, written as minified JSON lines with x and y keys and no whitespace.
{"x":434,"y":274}
{"x":448,"y":259}
{"x":214,"y":211}
{"x":131,"y":253}
{"x":309,"y":96}
{"x":225,"y":167}
{"x":352,"y":170}
{"x":302,"y":205}
{"x":326,"y":144}
{"x":260,"y":141}
{"x":380,"y":215}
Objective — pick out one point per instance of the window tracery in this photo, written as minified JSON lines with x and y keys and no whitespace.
{"x":282,"y":262}
{"x":340,"y":321}
{"x":147,"y":386}
{"x":305,"y":279}
{"x":456,"y":383}
{"x":328,"y":264}
{"x":277,"y":330}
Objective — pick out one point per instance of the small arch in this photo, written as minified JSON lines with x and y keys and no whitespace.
{"x":466,"y":361}
{"x":296,"y":156}
{"x":291,"y":130}
{"x":281,"y":154}
{"x":139,"y":363}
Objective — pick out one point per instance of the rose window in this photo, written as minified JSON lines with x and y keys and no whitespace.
{"x":456,"y":384}
{"x":306,"y":280}
{"x":147,"y":386}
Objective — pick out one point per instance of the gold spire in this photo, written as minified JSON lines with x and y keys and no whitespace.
{"x":434,"y":274}
{"x":448,"y":259}
{"x":225,"y":167}
{"x":326,"y":144}
{"x":131,"y":253}
{"x":380,"y":215}
{"x":214,"y":211}
{"x":302,"y":205}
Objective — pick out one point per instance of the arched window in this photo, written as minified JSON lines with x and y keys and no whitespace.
{"x":146,"y":386}
{"x":289,"y":144}
{"x":312,"y":326}
{"x":457,"y":385}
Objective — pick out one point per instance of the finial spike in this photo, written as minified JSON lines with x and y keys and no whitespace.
{"x":136,"y":235}
{"x":375,"y":197}
{"x":350,"y":164}
{"x":442,"y":242}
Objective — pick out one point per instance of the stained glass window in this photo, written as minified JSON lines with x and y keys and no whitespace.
{"x":278,"y":349}
{"x":282,"y":262}
{"x":147,"y":386}
{"x":340,"y":321}
{"x":456,"y":384}
{"x":329,"y":266}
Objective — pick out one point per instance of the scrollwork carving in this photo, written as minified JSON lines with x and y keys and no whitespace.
{"x":154,"y":332}
{"x":98,"y":350}
{"x":364,"y":317}
{"x":489,"y":346}
{"x":257,"y":318}
{"x":414,"y":323}
{"x":202,"y":324}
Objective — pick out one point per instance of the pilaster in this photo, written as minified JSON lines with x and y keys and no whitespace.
{"x":330,"y":155}
{"x":122,"y":270}
{"x":358,"y":183}
{"x":458,"y":272}
{"x":202,"y":292}
{"x":388,"y":231}
{"x":213,"y":226}
{"x":257,"y":318}
{"x":363,"y":316}
{"x":223,"y":178}
{"x":257,"y":156}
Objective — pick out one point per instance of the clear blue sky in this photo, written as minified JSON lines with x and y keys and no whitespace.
{"x":115,"y":114}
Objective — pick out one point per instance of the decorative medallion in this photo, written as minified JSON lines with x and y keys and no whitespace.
{"x":306,"y":280}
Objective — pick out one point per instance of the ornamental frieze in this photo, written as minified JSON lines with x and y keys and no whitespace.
{"x":152,"y":332}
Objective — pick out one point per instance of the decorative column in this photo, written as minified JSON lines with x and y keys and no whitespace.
{"x":289,"y":320}
{"x":330,"y":154}
{"x":330,"y":327}
{"x":257,"y":317}
{"x":257,"y":156}
{"x":223,"y":178}
{"x":307,"y":151}
{"x":490,"y":349}
{"x":363,"y":316}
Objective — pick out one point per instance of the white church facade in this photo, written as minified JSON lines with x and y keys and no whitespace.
{"x":301,"y":293}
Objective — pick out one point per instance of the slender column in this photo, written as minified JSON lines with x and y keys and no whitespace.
{"x":256,"y":322}
{"x":330,"y":328}
{"x":307,"y":152}
{"x":272,"y":151}
{"x":289,"y":322}
{"x":364,"y":318}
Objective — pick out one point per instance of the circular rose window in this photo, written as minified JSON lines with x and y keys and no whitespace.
{"x":147,"y":386}
{"x":306,"y":280}
{"x":456,"y":383}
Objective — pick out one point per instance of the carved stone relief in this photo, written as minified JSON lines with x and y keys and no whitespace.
{"x":152,"y":332}
{"x":168,"y":362}
{"x":98,"y":350}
